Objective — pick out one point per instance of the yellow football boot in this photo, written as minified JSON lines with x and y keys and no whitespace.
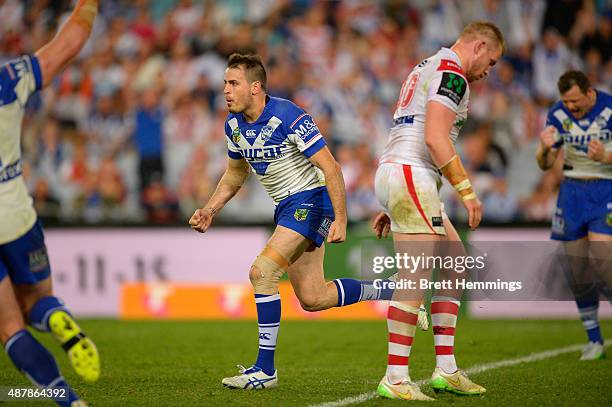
{"x":406,"y":390}
{"x":457,"y":383}
{"x":81,"y":350}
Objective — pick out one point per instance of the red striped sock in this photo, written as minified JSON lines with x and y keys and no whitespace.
{"x":401,"y":322}
{"x":444,"y":320}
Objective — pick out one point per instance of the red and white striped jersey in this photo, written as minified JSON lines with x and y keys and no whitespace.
{"x":438,"y":78}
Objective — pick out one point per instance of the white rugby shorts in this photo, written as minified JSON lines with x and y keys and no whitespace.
{"x":410,"y":196}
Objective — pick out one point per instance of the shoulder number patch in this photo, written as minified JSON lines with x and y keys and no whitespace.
{"x":452,"y":86}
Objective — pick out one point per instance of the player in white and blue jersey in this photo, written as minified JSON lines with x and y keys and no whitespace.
{"x":25,"y":285}
{"x":580,"y":125}
{"x":283,"y":146}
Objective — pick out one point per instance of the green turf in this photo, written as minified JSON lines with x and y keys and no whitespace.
{"x":182,"y":363}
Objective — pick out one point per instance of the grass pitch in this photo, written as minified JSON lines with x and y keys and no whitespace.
{"x":182,"y":363}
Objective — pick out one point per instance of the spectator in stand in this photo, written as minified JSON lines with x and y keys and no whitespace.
{"x":541,"y":204}
{"x":160,"y":204}
{"x":342,"y":61}
{"x":195,"y":185}
{"x":551,"y":58}
{"x":184,"y":128}
{"x":46,"y":205}
{"x":111,"y":188}
{"x":148,"y":136}
{"x":106,"y":126}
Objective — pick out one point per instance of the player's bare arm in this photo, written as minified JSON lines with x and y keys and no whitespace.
{"x":438,"y":123}
{"x":547,"y":153}
{"x":326,"y":162}
{"x":67,"y":43}
{"x":232,"y":180}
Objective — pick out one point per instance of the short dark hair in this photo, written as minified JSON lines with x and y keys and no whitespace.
{"x":252,"y":65}
{"x":571,"y":78}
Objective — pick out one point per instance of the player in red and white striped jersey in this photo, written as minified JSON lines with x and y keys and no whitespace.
{"x":432,"y":107}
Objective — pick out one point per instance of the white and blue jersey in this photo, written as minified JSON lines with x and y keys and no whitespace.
{"x":585,"y":196}
{"x":23,"y":255}
{"x":277,"y":147}
{"x":573,"y":135}
{"x":18,"y":80}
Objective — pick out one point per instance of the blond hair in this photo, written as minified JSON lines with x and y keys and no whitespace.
{"x":484,"y":29}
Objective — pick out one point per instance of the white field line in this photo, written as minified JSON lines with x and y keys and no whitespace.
{"x":533,"y":357}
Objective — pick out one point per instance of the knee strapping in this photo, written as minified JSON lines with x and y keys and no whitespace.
{"x":267,"y":270}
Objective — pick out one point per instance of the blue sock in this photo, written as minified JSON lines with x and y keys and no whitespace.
{"x":42,"y":310}
{"x":35,"y":361}
{"x":268,"y":317}
{"x":351,"y":291}
{"x":588,"y":314}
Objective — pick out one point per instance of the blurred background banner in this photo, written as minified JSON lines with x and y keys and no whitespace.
{"x":90,"y":265}
{"x":225,"y":301}
{"x":170,"y":273}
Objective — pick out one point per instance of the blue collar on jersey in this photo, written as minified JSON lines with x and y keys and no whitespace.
{"x":600,"y":104}
{"x":264,"y":113}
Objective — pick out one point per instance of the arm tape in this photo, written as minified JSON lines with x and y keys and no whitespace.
{"x":455,"y":173}
{"x":85,"y":13}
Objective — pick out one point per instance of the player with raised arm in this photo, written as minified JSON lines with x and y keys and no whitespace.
{"x":282,"y":145}
{"x":25,"y":285}
{"x":580,"y":125}
{"x":431,"y":109}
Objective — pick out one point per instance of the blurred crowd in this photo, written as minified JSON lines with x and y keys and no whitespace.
{"x":132,"y":131}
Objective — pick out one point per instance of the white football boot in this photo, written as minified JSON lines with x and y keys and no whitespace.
{"x":252,"y":378}
{"x":593,"y":351}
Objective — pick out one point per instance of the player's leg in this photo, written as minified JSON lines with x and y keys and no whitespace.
{"x":28,"y":260}
{"x":600,"y":234}
{"x":283,"y":247}
{"x":600,"y":247}
{"x":444,"y":311}
{"x":11,"y":320}
{"x":26,"y":353}
{"x":402,"y":319}
{"x":307,"y":278}
{"x":571,"y":226}
{"x":579,"y":274}
{"x":445,"y":306}
{"x":410,"y":198}
{"x":315,"y":294}
{"x":47,"y":313}
{"x":310,"y":214}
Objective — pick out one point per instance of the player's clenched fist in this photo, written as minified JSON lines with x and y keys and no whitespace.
{"x":201,"y":219}
{"x":547,"y":137}
{"x":596,"y":151}
{"x":337,"y":232}
{"x":474,"y":210}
